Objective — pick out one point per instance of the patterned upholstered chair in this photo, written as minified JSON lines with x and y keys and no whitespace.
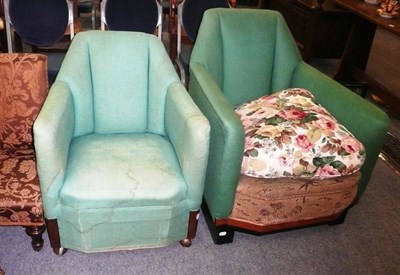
{"x":23,"y":89}
{"x":268,"y":109}
{"x":122,"y":149}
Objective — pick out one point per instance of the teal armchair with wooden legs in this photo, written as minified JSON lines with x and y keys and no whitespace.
{"x":241,"y":55}
{"x":121,"y":147}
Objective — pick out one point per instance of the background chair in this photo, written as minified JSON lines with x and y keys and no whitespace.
{"x":166,"y":5}
{"x":90,"y":7}
{"x":23,"y":89}
{"x":241,"y":55}
{"x":184,"y":25}
{"x":121,"y":151}
{"x":132,"y":15}
{"x":40,"y":24}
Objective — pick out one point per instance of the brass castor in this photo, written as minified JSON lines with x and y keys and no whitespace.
{"x":185,"y":242}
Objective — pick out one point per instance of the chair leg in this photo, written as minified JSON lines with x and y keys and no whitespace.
{"x":192,"y":229}
{"x":361,"y":88}
{"x":340,"y":219}
{"x":54,"y":237}
{"x":220,"y":234}
{"x":36,"y":233}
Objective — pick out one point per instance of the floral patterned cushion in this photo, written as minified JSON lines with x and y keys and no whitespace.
{"x":23,"y":89}
{"x":289,"y":134}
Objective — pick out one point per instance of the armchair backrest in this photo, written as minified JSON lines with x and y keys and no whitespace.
{"x":248,"y":52}
{"x":23,"y":89}
{"x":118,"y":81}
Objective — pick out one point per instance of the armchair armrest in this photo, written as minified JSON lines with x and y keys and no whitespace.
{"x":226,"y":143}
{"x":365,"y":120}
{"x":53,"y":130}
{"x":188,"y":131}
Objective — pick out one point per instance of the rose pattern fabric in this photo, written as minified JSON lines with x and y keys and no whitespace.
{"x":289,"y":134}
{"x":23,"y":89}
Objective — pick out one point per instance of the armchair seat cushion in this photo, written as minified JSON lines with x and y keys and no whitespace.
{"x":128,"y":190}
{"x":20,"y":198}
{"x":122,"y":171}
{"x":289,"y":134}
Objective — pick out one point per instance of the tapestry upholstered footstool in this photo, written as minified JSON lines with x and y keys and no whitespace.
{"x":299,"y":163}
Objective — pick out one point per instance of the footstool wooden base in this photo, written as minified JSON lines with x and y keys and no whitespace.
{"x":267,"y":205}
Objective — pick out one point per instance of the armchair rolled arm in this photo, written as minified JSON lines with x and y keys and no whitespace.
{"x":362,"y":118}
{"x":53,"y":130}
{"x":226,"y":144}
{"x":188,"y":131}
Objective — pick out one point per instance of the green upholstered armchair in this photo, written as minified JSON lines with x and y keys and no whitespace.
{"x":241,"y":55}
{"x":121,"y":147}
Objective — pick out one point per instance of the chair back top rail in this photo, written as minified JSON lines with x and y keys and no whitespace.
{"x":36,"y":25}
{"x":131,"y":15}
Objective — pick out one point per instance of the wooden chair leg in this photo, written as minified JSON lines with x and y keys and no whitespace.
{"x":36,"y":233}
{"x":192,"y":228}
{"x":219,"y":234}
{"x":341,"y":218}
{"x":54,"y":237}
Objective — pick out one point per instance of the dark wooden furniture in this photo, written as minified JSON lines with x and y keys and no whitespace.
{"x":320,"y":28}
{"x":355,"y":57}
